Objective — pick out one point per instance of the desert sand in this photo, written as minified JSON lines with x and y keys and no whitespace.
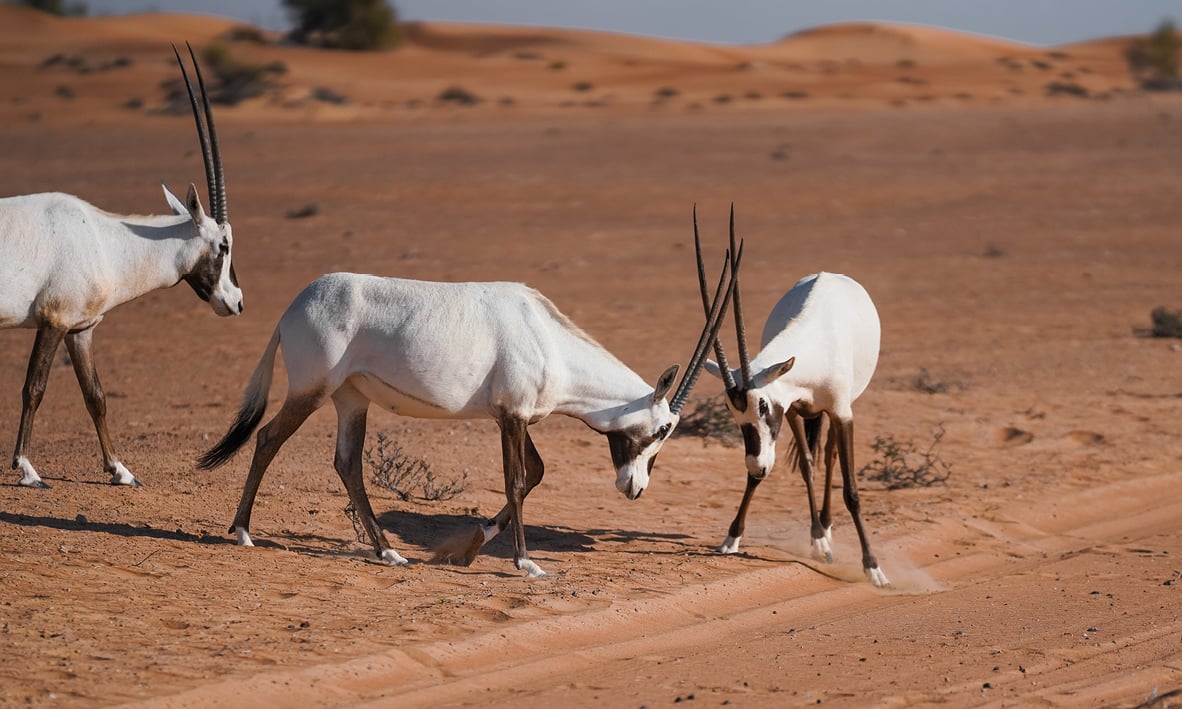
{"x":1014,"y":239}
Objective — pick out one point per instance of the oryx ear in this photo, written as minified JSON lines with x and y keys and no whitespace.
{"x":665,"y":383}
{"x":712,"y":367}
{"x":174,"y":202}
{"x":193,"y":204}
{"x":772,"y":373}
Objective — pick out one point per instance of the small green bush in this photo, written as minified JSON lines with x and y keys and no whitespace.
{"x":356,"y":25}
{"x":1153,"y":59}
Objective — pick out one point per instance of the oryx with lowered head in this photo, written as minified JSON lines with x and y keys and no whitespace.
{"x":455,"y":351}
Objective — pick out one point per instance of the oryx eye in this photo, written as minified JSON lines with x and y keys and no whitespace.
{"x":763,"y":407}
{"x":223,"y":248}
{"x":663,"y":431}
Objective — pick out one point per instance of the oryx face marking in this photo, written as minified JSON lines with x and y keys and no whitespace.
{"x":759,"y":419}
{"x":634,"y":452}
{"x":212,"y":277}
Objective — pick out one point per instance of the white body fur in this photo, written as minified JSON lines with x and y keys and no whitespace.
{"x":448,"y":351}
{"x":818,"y":352}
{"x":65,"y":263}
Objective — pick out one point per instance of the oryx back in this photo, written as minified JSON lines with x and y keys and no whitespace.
{"x":424,"y":349}
{"x":829,"y":323}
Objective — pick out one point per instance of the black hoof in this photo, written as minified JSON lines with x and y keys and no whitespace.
{"x":37,"y":485}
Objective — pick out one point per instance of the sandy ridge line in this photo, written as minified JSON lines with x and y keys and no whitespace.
{"x":507,"y":657}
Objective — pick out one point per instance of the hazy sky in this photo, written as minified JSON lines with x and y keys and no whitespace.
{"x":1041,"y":22}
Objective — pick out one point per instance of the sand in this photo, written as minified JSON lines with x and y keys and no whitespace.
{"x":1014,"y":242}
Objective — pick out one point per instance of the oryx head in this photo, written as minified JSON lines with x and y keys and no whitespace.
{"x":212,"y":274}
{"x":757,"y":413}
{"x":645,"y":424}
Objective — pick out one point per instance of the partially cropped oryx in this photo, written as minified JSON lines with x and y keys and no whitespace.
{"x":454,"y":351}
{"x":64,"y":263}
{"x":818,"y":351}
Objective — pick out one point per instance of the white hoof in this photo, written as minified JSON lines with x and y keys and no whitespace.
{"x":877,"y":577}
{"x":393,"y":558}
{"x":730,"y":546}
{"x":29,"y":476}
{"x":822,"y":550}
{"x":123,"y":476}
{"x":532,"y":570}
{"x":243,"y":537}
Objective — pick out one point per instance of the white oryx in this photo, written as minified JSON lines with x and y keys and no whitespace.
{"x":817,"y":354}
{"x":64,"y":263}
{"x":454,"y":351}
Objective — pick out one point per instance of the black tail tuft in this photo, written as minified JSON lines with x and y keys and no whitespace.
{"x":247,"y":420}
{"x":812,"y":434}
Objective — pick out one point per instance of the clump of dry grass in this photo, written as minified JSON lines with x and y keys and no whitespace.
{"x":409,"y":477}
{"x":710,"y":419}
{"x":898,"y":464}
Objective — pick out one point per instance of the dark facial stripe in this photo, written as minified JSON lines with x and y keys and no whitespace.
{"x":751,"y":442}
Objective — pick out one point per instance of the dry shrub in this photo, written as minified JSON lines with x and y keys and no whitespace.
{"x":898,"y":464}
{"x":710,"y":419}
{"x":409,"y":477}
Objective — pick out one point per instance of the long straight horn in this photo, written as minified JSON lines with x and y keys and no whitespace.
{"x":221,"y":212}
{"x":728,"y":379}
{"x":740,"y":328}
{"x":206,"y":153}
{"x":722,"y":297}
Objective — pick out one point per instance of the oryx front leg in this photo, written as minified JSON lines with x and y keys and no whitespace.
{"x":513,"y":455}
{"x":739,"y":524}
{"x":40,"y":361}
{"x":819,"y":534}
{"x":351,"y":414}
{"x":271,"y":437}
{"x":78,"y":344}
{"x":845,"y":451}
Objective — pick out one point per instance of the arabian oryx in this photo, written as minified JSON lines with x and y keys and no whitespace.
{"x":818,"y":351}
{"x":454,"y":351}
{"x":64,"y":263}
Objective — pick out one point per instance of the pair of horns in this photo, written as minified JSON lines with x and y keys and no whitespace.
{"x":728,"y":285}
{"x":744,"y":358}
{"x":215,"y":179}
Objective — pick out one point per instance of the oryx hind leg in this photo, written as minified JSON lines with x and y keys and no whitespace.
{"x":352,"y":407}
{"x":295,"y":410}
{"x":40,"y":362}
{"x":845,"y":452}
{"x":79,"y":346}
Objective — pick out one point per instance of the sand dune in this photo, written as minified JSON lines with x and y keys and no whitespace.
{"x":518,"y":70}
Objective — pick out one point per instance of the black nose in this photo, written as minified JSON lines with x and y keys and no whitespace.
{"x":240,"y":307}
{"x":637,"y":496}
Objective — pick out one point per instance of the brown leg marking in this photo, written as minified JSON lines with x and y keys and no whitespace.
{"x":78,"y":345}
{"x":805,"y":462}
{"x":40,"y":362}
{"x":845,"y":451}
{"x":351,"y":408}
{"x":270,"y":438}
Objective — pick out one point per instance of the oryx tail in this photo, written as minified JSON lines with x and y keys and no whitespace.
{"x":254,"y":405}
